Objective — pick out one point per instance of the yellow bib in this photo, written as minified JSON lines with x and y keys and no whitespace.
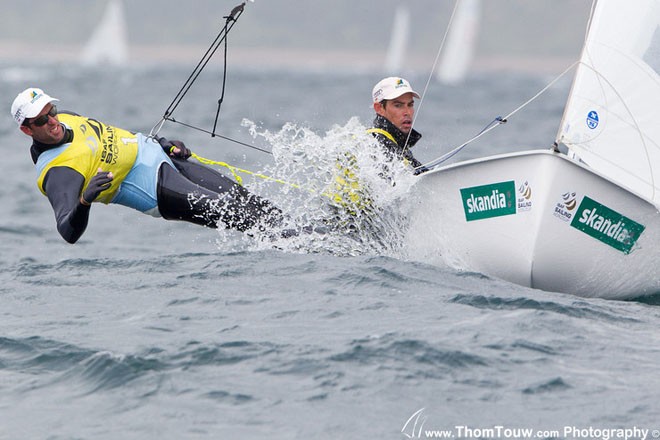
{"x":388,"y":135}
{"x":347,"y":191}
{"x":385,"y":133}
{"x":95,"y":145}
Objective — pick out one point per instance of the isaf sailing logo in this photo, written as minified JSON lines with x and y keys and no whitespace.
{"x":524,"y":197}
{"x":486,"y":201}
{"x":564,"y":208}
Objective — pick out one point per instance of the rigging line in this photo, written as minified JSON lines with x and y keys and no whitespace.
{"x":222,"y":36}
{"x":433,"y":67}
{"x":217,"y":135}
{"x":434,"y":163}
{"x":550,"y":84}
{"x":495,"y":123}
{"x":195,"y":73}
{"x":236,"y":170}
{"x":224,"y":82}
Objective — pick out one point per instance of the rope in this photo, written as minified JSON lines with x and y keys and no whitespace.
{"x":216,"y":135}
{"x":542,"y":90}
{"x":230,"y":21}
{"x":434,"y":163}
{"x":495,"y":123}
{"x":224,"y":71}
{"x":235,"y":170}
{"x":433,"y":67}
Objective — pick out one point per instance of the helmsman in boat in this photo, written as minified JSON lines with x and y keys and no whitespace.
{"x":394,"y":103}
{"x":80,"y":160}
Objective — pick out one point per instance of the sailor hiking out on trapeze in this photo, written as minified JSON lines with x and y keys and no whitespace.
{"x":81,"y":160}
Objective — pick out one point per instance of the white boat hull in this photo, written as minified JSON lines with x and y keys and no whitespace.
{"x":541,"y":220}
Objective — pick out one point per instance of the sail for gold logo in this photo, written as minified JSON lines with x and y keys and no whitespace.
{"x":485,"y":201}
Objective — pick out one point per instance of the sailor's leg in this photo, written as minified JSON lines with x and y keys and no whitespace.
{"x":218,"y":182}
{"x":204,"y":176}
{"x":202,"y":196}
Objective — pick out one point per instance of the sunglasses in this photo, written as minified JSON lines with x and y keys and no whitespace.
{"x":43,"y":119}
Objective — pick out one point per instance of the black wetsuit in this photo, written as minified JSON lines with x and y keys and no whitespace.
{"x":203,"y":196}
{"x":192,"y":193}
{"x":399,"y":149}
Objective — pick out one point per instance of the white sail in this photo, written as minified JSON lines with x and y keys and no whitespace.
{"x":109,"y":42}
{"x":611,"y":118}
{"x":396,"y":51}
{"x":461,"y":42}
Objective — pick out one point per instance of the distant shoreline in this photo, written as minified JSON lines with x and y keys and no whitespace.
{"x":305,"y":60}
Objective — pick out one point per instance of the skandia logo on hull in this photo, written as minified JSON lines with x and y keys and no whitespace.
{"x":606,"y":225}
{"x":486,"y":201}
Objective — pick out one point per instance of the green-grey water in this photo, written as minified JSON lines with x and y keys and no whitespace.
{"x":148,"y":329}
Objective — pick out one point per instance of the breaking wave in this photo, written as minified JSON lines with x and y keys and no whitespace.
{"x":371,"y":219}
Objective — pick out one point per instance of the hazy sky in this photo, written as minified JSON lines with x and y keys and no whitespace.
{"x":346,"y":31}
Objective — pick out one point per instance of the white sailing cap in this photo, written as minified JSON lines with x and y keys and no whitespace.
{"x":29,"y":104}
{"x":392,"y":87}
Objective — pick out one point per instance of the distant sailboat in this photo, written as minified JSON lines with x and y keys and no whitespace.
{"x":396,"y":51}
{"x":461,"y":43}
{"x":108,"y":44}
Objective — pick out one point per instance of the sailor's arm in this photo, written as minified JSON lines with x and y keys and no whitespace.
{"x":63,"y":186}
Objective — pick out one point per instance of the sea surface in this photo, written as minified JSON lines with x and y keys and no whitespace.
{"x":148,"y":329}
